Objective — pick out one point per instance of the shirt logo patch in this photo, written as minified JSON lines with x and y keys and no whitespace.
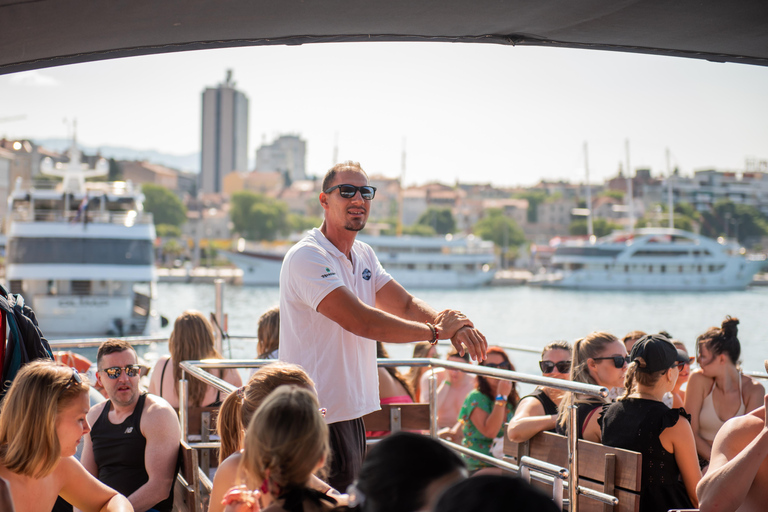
{"x":128,"y":430}
{"x":328,"y":273}
{"x":367,"y":275}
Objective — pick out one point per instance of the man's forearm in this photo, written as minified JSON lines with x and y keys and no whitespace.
{"x":150,"y":494}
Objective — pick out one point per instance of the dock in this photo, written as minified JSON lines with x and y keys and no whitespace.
{"x":200,"y":275}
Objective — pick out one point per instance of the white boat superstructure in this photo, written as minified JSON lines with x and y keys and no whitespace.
{"x":651,"y":259}
{"x":419,"y":262}
{"x":82,"y":254}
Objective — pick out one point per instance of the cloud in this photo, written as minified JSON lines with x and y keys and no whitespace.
{"x":34,"y":79}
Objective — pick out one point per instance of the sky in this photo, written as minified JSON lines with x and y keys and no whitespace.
{"x":475,"y":112}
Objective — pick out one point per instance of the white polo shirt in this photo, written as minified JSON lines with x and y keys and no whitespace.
{"x":342,"y":364}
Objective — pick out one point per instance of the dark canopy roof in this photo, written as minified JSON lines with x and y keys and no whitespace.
{"x":42,"y":33}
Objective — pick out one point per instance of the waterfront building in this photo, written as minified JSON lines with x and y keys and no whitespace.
{"x":224,"y":135}
{"x":286,"y":155}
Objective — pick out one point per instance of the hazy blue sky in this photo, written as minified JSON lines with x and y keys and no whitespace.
{"x":473,"y":111}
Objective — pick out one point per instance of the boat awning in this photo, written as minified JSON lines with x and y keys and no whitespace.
{"x":37,"y":34}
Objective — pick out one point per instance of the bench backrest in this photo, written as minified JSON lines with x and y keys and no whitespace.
{"x":186,"y":489}
{"x":396,"y":417}
{"x":610,"y":470}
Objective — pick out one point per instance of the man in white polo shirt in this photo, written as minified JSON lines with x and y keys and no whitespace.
{"x":336,"y":300}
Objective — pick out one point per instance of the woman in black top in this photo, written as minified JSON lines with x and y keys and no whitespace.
{"x":538,"y":411}
{"x":639,"y":421}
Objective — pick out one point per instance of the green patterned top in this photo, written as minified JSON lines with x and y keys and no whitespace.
{"x":473,"y":439}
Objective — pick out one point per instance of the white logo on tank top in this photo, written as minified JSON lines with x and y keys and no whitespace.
{"x":128,"y":430}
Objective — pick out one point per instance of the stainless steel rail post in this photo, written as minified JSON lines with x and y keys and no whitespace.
{"x":573,"y":457}
{"x":218,"y":342}
{"x":432,"y":402}
{"x":183,"y":405}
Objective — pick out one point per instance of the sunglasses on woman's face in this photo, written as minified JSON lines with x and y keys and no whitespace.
{"x":501,"y":366}
{"x":618,"y":361}
{"x":549,"y":366}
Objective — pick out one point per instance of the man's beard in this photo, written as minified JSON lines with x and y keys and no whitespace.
{"x":350,"y":226}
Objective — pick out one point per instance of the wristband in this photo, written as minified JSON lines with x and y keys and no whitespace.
{"x":447,"y":382}
{"x":435,"y":333}
{"x":501,"y":398}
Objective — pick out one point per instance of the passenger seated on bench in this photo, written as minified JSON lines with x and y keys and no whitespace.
{"x":737,"y":478}
{"x":393,"y":388}
{"x":453,"y":386}
{"x":285,"y":444}
{"x":630,"y":338}
{"x":404,"y":472}
{"x":682,"y":380}
{"x":235,"y":415}
{"x":493,"y":493}
{"x":41,"y":424}
{"x":641,"y":422}
{"x":538,"y":411}
{"x":190,"y":340}
{"x":268,"y":332}
{"x":600,"y":359}
{"x":718,"y":391}
{"x":422,"y":349}
{"x":486,"y":409}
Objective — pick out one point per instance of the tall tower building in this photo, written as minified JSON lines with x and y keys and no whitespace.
{"x":225,"y":134}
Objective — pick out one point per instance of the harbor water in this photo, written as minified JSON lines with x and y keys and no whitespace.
{"x":520,"y":315}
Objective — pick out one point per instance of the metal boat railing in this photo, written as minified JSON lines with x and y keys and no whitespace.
{"x":561,"y":478}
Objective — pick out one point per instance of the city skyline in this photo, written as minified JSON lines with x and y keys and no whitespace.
{"x":480,"y":113}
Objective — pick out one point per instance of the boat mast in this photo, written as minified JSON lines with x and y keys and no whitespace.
{"x":670,"y":206}
{"x":399,"y":230}
{"x":630,"y":192}
{"x":590,"y":227}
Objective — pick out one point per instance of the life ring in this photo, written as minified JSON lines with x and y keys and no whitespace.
{"x":73,"y":360}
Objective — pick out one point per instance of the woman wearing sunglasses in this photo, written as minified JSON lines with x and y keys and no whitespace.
{"x":641,"y":422}
{"x":600,"y":359}
{"x":487,"y":408}
{"x":538,"y":411}
{"x":42,"y":421}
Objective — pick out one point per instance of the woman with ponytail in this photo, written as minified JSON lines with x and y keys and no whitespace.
{"x":717,"y":391}
{"x":235,"y":415}
{"x":641,"y":422}
{"x":285,"y":444}
{"x":599,"y":358}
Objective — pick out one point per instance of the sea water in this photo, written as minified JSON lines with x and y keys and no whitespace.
{"x":519,"y":315}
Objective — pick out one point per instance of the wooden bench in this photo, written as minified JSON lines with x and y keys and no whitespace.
{"x":397,"y":417}
{"x":609,"y":470}
{"x":192,"y":488}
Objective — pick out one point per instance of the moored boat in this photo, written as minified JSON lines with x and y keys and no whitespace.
{"x":82,"y":254}
{"x":651,"y":259}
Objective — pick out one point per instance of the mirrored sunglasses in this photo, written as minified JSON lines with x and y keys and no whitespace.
{"x":549,"y":366}
{"x":115,"y":371}
{"x":348,"y":191}
{"x":618,"y":361}
{"x":75,"y":378}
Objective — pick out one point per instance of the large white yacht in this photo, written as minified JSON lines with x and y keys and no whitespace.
{"x":415,"y":262}
{"x":81,"y":253}
{"x":650,"y":259}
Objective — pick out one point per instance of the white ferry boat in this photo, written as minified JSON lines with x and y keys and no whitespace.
{"x":80,"y":253}
{"x":415,"y":262}
{"x":650,"y":259}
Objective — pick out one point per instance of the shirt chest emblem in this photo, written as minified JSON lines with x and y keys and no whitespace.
{"x":328,"y":273}
{"x":367,"y":275}
{"x":128,"y":430}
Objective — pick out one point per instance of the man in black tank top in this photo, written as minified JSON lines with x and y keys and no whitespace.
{"x":133,"y":445}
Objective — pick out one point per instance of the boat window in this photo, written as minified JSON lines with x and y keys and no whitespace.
{"x":663,"y":269}
{"x":650,"y":269}
{"x":81,"y":287}
{"x":698,"y":269}
{"x":84,"y":251}
{"x":659,"y":254}
{"x":468,"y":266}
{"x":411,"y":266}
{"x":15,"y":285}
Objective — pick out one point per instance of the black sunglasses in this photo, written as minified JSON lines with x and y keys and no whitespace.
{"x":549,"y":366}
{"x":618,"y":361}
{"x":501,"y":366}
{"x":115,"y":371}
{"x":348,"y":191}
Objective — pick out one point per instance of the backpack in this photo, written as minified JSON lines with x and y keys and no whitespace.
{"x":25,"y":342}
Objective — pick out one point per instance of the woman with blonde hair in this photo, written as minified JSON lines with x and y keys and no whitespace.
{"x":286,"y":443}
{"x":235,"y":415}
{"x":41,"y":424}
{"x":191,"y":340}
{"x":599,"y":358}
{"x":423,"y":349}
{"x":718,"y":391}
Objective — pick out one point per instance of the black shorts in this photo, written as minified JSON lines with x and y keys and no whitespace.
{"x":347,"y":439}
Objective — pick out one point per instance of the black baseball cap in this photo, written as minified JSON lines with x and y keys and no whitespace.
{"x":656,"y":351}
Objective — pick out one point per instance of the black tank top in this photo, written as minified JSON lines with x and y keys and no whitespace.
{"x":118,"y":451}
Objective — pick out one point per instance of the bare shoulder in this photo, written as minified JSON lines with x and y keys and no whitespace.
{"x":95,"y":411}
{"x":158,"y":414}
{"x":698,"y":382}
{"x":750,"y":387}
